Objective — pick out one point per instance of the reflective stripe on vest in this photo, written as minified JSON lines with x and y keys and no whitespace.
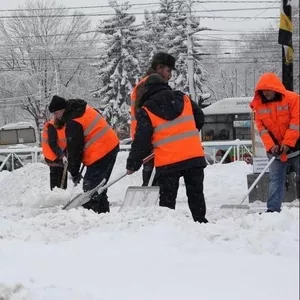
{"x":294,"y":127}
{"x":281,"y":108}
{"x":263,"y":111}
{"x":176,"y":137}
{"x":268,"y":110}
{"x":99,"y":137}
{"x":176,"y":140}
{"x":261,"y":133}
{"x":61,"y":141}
{"x":173,"y":122}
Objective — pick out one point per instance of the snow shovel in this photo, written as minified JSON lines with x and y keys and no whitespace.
{"x":100,"y":188}
{"x":63,"y":177}
{"x":244,"y":206}
{"x":141,"y":196}
{"x":80,"y":172}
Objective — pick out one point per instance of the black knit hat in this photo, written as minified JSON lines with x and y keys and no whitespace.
{"x":57,"y":103}
{"x":164,"y":59}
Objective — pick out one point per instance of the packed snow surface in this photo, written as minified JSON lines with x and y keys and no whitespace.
{"x":156,"y":253}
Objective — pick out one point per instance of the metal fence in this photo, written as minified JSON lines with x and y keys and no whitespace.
{"x":11,"y":159}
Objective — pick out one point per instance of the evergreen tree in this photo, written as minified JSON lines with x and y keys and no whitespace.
{"x":166,"y":30}
{"x":117,"y":66}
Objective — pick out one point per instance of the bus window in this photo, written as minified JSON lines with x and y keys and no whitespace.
{"x":8,"y":137}
{"x":26,"y":135}
{"x":217,"y":128}
{"x":15,"y":136}
{"x":227,"y":119}
{"x":242,"y":126}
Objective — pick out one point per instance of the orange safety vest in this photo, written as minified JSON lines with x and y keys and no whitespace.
{"x":133,"y":97}
{"x":99,"y":137}
{"x":176,"y":140}
{"x":61,"y":141}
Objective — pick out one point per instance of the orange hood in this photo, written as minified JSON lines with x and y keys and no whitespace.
{"x":268,"y":81}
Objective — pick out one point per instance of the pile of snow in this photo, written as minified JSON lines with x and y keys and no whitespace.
{"x":155,"y":253}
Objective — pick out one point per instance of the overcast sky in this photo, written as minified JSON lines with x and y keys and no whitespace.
{"x":267,"y":8}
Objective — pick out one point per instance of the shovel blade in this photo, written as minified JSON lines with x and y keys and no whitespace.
{"x":140,"y":197}
{"x":78,"y":200}
{"x":83,"y":197}
{"x":235,"y":206}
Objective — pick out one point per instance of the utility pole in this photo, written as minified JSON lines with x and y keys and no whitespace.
{"x":246,"y":83}
{"x":236,"y":82}
{"x":254,"y":78}
{"x":56,"y":81}
{"x":285,"y":39}
{"x":190,"y":53}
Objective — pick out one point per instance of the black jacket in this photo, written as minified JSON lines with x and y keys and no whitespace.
{"x":166,"y":104}
{"x":52,"y":137}
{"x":75,"y":134}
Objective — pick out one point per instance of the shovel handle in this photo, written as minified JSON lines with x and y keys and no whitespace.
{"x":106,"y":186}
{"x":258,"y":178}
{"x":64,"y":175}
{"x":80,"y":172}
{"x":148,"y":158}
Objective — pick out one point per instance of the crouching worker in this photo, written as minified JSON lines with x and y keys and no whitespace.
{"x":54,"y":150}
{"x":277,"y":119}
{"x":169,"y":122}
{"x":90,"y":141}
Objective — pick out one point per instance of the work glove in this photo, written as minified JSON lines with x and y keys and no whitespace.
{"x":284,"y":149}
{"x":275,"y":150}
{"x":76,"y":179}
{"x":64,"y":160}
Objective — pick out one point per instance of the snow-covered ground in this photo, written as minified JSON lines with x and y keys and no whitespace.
{"x":47,"y":253}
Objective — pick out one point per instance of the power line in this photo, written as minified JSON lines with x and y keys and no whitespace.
{"x":223,"y":32}
{"x":243,"y":18}
{"x":212,"y":39}
{"x":203,"y":62}
{"x":131,"y":4}
{"x":95,"y":58}
{"x":80,"y":7}
{"x":139,"y":13}
{"x":232,"y":2}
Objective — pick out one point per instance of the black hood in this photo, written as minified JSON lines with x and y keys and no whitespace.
{"x":75,"y":109}
{"x":163,"y":102}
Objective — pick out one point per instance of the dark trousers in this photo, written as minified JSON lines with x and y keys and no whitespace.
{"x":56,"y":174}
{"x":146,"y":173}
{"x":94,"y":175}
{"x":193,"y":179}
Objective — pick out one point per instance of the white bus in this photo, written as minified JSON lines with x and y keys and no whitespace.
{"x":227,"y":119}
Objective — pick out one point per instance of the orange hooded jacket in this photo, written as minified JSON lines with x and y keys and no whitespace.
{"x":277,"y":121}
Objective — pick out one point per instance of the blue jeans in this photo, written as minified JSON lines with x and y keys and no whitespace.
{"x":277,"y":178}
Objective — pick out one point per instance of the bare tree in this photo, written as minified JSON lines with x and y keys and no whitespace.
{"x":47,"y":48}
{"x":265,"y":52}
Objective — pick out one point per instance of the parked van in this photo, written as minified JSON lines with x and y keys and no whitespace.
{"x":17,"y":136}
